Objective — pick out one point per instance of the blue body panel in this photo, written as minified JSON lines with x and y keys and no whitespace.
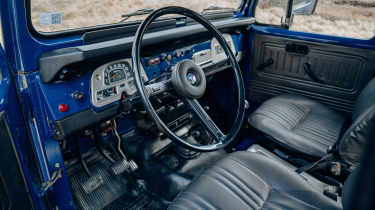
{"x":9,"y":104}
{"x":320,"y":38}
{"x":40,"y":101}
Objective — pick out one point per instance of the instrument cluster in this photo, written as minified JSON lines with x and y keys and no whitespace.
{"x":112,"y":81}
{"x":115,"y":80}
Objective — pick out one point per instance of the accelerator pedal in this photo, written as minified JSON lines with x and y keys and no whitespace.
{"x":123,"y":165}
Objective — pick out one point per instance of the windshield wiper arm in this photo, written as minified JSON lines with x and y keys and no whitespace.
{"x":213,"y":8}
{"x":136,"y":13}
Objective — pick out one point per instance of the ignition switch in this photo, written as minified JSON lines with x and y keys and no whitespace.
{"x":78,"y":95}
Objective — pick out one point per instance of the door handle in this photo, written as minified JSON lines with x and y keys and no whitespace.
{"x":266,"y":64}
{"x":297,"y":48}
{"x":311,"y":74}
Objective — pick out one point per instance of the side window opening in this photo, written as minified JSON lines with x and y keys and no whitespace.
{"x":344,"y":18}
{"x":271,"y":11}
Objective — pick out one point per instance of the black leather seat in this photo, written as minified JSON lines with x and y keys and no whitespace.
{"x":249,"y":180}
{"x":309,"y":127}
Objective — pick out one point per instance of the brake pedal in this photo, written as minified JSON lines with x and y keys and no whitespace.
{"x":92,"y":183}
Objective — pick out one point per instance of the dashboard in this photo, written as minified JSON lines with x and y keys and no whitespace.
{"x":79,"y":86}
{"x":114,"y":81}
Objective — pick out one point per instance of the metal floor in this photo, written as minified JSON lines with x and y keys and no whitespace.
{"x":113,"y":194}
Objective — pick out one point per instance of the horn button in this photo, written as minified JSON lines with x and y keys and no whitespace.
{"x":188,"y":79}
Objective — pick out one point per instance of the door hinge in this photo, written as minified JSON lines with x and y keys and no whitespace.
{"x":56,"y":175}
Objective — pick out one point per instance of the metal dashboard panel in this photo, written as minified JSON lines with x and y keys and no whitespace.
{"x":104,"y":92}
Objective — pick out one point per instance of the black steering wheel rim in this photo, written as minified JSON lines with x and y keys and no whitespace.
{"x":240,"y":99}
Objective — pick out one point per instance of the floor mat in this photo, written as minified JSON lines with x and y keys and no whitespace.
{"x":112,"y":194}
{"x":142,"y":202}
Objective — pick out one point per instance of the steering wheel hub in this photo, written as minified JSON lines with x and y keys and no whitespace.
{"x":188,"y":79}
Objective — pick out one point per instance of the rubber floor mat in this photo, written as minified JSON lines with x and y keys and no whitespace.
{"x":112,"y":194}
{"x":112,"y":188}
{"x":142,"y":202}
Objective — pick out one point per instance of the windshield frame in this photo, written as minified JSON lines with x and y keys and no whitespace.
{"x":83,"y":30}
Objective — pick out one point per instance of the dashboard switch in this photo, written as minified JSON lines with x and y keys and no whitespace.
{"x":163,"y":56}
{"x":169,"y":57}
{"x":78,"y":95}
{"x":123,"y":96}
{"x":153,"y":61}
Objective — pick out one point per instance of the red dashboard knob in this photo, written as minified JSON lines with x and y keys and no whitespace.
{"x":63,"y":108}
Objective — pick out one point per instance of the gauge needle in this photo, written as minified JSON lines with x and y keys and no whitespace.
{"x":113,"y":76}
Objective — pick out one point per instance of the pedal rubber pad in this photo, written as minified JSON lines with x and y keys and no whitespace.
{"x":123,"y":165}
{"x":120,"y":167}
{"x":93,"y":183}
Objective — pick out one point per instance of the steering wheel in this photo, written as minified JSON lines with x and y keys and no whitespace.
{"x":189,"y":81}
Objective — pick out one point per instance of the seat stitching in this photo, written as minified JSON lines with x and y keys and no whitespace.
{"x":319,"y":133}
{"x":298,"y":112}
{"x":295,"y":109}
{"x":245,"y":184}
{"x":193,"y":203}
{"x":224,"y":183}
{"x":178,"y":206}
{"x":262,"y":114}
{"x":208,"y":204}
{"x":296,"y":199}
{"x":282,"y":115}
{"x":265,"y":200}
{"x":316,"y":124}
{"x":235,"y":189}
{"x":318,"y":138}
{"x":240,"y":163}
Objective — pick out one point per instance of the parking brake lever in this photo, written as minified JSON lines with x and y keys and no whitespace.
{"x":311,"y":74}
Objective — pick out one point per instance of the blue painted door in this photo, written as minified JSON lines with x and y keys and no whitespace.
{"x":16,"y":160}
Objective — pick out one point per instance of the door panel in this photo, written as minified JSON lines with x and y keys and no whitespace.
{"x":279,"y":63}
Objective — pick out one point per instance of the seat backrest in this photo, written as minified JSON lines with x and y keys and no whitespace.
{"x":351,"y":144}
{"x":365,"y":99}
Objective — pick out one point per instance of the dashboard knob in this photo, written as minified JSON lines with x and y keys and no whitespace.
{"x":63,"y":108}
{"x":78,"y":95}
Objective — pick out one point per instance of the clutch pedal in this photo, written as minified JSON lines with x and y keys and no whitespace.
{"x":94,"y":181}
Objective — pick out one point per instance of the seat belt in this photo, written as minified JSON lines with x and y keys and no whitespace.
{"x":324,"y":159}
{"x":331,"y":155}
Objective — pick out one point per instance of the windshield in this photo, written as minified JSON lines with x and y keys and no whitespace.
{"x":58,"y":15}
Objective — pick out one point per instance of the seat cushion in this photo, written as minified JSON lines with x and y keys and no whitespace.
{"x":246,"y":180}
{"x":298,"y":123}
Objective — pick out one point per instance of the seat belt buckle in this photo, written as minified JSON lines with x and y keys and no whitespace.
{"x":335,"y":168}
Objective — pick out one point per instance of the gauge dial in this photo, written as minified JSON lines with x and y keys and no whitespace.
{"x":116,"y":72}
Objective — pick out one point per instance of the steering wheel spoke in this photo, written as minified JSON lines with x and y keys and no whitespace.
{"x":205,"y":119}
{"x":189,"y":82}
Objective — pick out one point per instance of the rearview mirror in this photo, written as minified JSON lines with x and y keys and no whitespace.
{"x":304,"y":7}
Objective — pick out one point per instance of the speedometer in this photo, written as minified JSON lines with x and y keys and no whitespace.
{"x":116,"y":72}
